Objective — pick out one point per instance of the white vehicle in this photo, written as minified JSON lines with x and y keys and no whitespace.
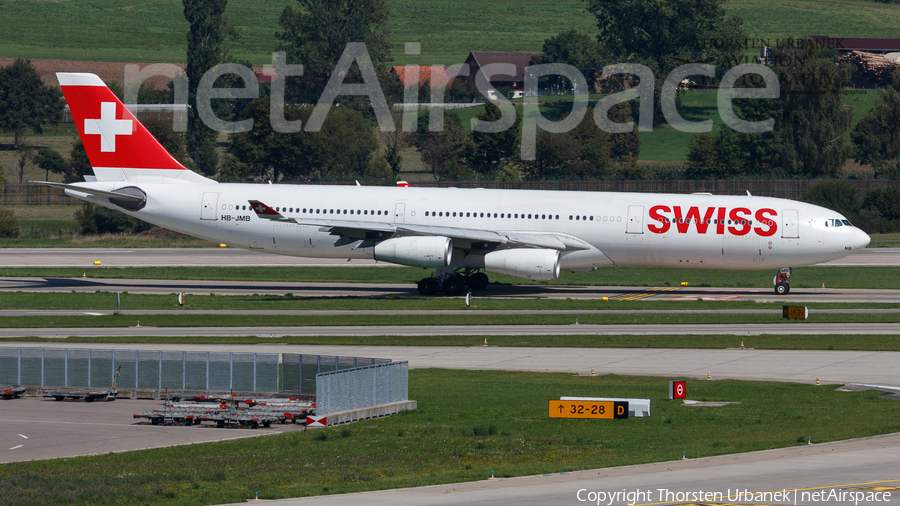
{"x":460,"y":233}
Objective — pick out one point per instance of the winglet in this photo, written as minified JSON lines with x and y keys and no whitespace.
{"x":267,"y":213}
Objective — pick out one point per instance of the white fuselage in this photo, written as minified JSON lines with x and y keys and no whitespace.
{"x":627,"y":229}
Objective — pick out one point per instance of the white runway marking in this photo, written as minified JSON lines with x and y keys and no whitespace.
{"x":14,"y":447}
{"x":22,"y":436}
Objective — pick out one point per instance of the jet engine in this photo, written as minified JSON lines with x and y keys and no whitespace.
{"x":534,"y":264}
{"x":415,"y":251}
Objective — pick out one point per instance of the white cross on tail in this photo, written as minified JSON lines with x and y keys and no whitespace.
{"x":107,"y":127}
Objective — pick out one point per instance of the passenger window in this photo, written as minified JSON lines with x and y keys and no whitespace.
{"x":467,"y":215}
{"x":592,"y":218}
{"x":570,"y":216}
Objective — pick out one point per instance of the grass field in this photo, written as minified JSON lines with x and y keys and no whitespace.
{"x":855,"y":342}
{"x":270,"y":302}
{"x":461,"y":431}
{"x":154,"y":30}
{"x":465,"y":319}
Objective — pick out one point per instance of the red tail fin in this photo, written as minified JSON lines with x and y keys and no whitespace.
{"x":117,"y":144}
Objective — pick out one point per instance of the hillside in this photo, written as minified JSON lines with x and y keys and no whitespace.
{"x":154,"y":30}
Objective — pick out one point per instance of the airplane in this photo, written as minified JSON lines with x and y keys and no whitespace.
{"x":460,"y":233}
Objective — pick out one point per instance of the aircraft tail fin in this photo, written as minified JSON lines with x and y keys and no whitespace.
{"x":118,"y":146}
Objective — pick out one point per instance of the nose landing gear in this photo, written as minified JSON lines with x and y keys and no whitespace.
{"x":783,"y":281}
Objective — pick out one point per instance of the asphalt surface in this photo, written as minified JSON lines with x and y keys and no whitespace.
{"x":36,"y":428}
{"x":299,"y":289}
{"x":776,"y":311}
{"x":232,"y":257}
{"x":744,"y":329}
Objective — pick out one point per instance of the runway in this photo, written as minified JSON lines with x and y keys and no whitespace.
{"x":748,"y":329}
{"x":232,"y":257}
{"x":300,"y":289}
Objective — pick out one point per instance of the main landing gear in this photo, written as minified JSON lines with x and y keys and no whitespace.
{"x":453,"y":281}
{"x":783,"y":281}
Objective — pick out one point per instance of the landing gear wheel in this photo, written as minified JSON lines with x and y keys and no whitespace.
{"x":478,"y":281}
{"x":454,"y":285}
{"x":782,"y":288}
{"x":428,"y":286}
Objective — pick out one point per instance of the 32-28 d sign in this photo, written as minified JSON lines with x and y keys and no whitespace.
{"x":589,"y":409}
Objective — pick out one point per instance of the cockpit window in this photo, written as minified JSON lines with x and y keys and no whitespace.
{"x":847,"y":222}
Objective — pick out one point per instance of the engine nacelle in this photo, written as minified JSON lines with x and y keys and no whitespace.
{"x":415,"y":251}
{"x":535,"y":264}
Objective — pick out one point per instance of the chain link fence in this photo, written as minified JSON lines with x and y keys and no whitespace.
{"x":298,"y":374}
{"x":140,"y":369}
{"x":362,"y":387}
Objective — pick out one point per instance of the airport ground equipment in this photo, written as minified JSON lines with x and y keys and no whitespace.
{"x":88,"y":394}
{"x":12,"y":392}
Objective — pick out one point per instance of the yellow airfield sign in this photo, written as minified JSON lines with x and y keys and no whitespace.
{"x":589,"y":409}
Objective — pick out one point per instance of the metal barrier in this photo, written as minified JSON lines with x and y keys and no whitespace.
{"x":362,"y":387}
{"x":140,"y":369}
{"x":298,"y":372}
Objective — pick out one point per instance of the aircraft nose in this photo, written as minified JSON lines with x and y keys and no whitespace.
{"x":861,"y":239}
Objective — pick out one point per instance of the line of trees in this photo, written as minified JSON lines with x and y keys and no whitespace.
{"x":811,"y":135}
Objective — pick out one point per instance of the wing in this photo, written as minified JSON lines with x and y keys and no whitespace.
{"x":370,"y":232}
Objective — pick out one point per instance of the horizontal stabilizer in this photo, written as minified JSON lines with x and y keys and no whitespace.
{"x":93,"y":191}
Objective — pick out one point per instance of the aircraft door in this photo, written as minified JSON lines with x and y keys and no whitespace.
{"x":790,"y":224}
{"x":635,"y":223}
{"x":208,"y":206}
{"x":399,"y":212}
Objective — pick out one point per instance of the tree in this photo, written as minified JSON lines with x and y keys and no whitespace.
{"x":25,"y":102}
{"x":576,"y":49}
{"x":702,"y":161}
{"x":315,"y":33}
{"x":306,"y":155}
{"x":51,"y":161}
{"x":665,"y":34}
{"x":492,"y":151}
{"x":161,"y":129}
{"x":876,"y":139}
{"x":837,"y":194}
{"x":26,"y":157}
{"x":394,"y":142}
{"x":813,"y":121}
{"x":447,"y":152}
{"x":9,"y":224}
{"x":79,"y":165}
{"x":626,"y":146}
{"x":207,"y":40}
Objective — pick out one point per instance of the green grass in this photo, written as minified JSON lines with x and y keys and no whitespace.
{"x":803,"y":277}
{"x":860,"y":342}
{"x":799,"y":18}
{"x":885,"y":241}
{"x":468,"y":423}
{"x":465,"y":319}
{"x":288,"y":302}
{"x":154,"y":31}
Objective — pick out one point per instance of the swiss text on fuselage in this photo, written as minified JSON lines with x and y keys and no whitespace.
{"x":712,"y":220}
